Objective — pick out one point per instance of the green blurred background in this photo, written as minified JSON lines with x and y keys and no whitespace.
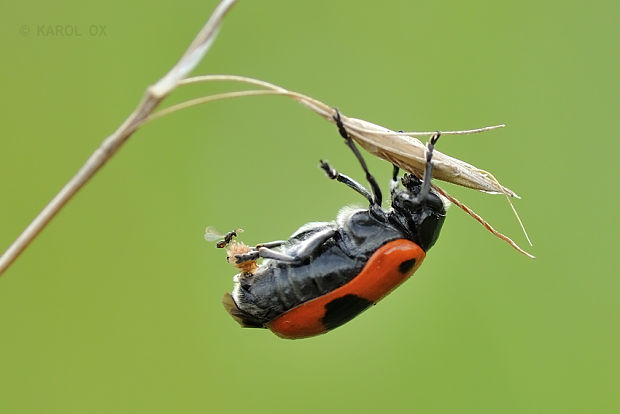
{"x":116,"y":306}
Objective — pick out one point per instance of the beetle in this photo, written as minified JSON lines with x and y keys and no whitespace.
{"x":327,"y":273}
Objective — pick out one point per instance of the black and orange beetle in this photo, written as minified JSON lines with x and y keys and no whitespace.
{"x":327,"y":273}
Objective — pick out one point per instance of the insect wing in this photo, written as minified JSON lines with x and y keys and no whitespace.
{"x":211,"y":234}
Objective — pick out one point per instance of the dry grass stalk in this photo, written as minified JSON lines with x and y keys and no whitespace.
{"x":153,"y":96}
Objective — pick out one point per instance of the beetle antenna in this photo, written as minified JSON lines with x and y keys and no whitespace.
{"x":376,"y":191}
{"x":428,"y":171}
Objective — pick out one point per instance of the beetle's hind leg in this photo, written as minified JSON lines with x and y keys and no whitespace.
{"x":253,"y":252}
{"x":265,"y":253}
{"x":272,"y":244}
{"x":307,"y":249}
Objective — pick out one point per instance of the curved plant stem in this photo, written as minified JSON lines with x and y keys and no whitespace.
{"x":399,"y":148}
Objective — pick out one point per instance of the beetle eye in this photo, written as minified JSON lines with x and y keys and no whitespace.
{"x":434,"y":202}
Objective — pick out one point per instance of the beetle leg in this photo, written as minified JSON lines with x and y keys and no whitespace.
{"x":265,"y":253}
{"x":394,"y":181}
{"x":371,"y":180}
{"x":335,"y":175}
{"x":428,"y":171}
{"x":254,"y":253}
{"x":309,"y":246}
{"x":246,"y":257}
{"x":272,"y":244}
{"x":395,"y":172}
{"x":312,"y":243}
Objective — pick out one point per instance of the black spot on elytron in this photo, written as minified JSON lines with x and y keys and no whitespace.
{"x":342,"y":310}
{"x":406,"y":266}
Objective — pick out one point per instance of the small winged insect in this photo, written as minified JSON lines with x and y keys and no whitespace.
{"x":327,"y":273}
{"x":233,"y":248}
{"x":211,"y":234}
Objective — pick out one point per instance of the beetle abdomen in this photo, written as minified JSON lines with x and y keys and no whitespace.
{"x":386,"y":269}
{"x":278,"y":287}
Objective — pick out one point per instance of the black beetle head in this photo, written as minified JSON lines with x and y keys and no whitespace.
{"x":421,"y":215}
